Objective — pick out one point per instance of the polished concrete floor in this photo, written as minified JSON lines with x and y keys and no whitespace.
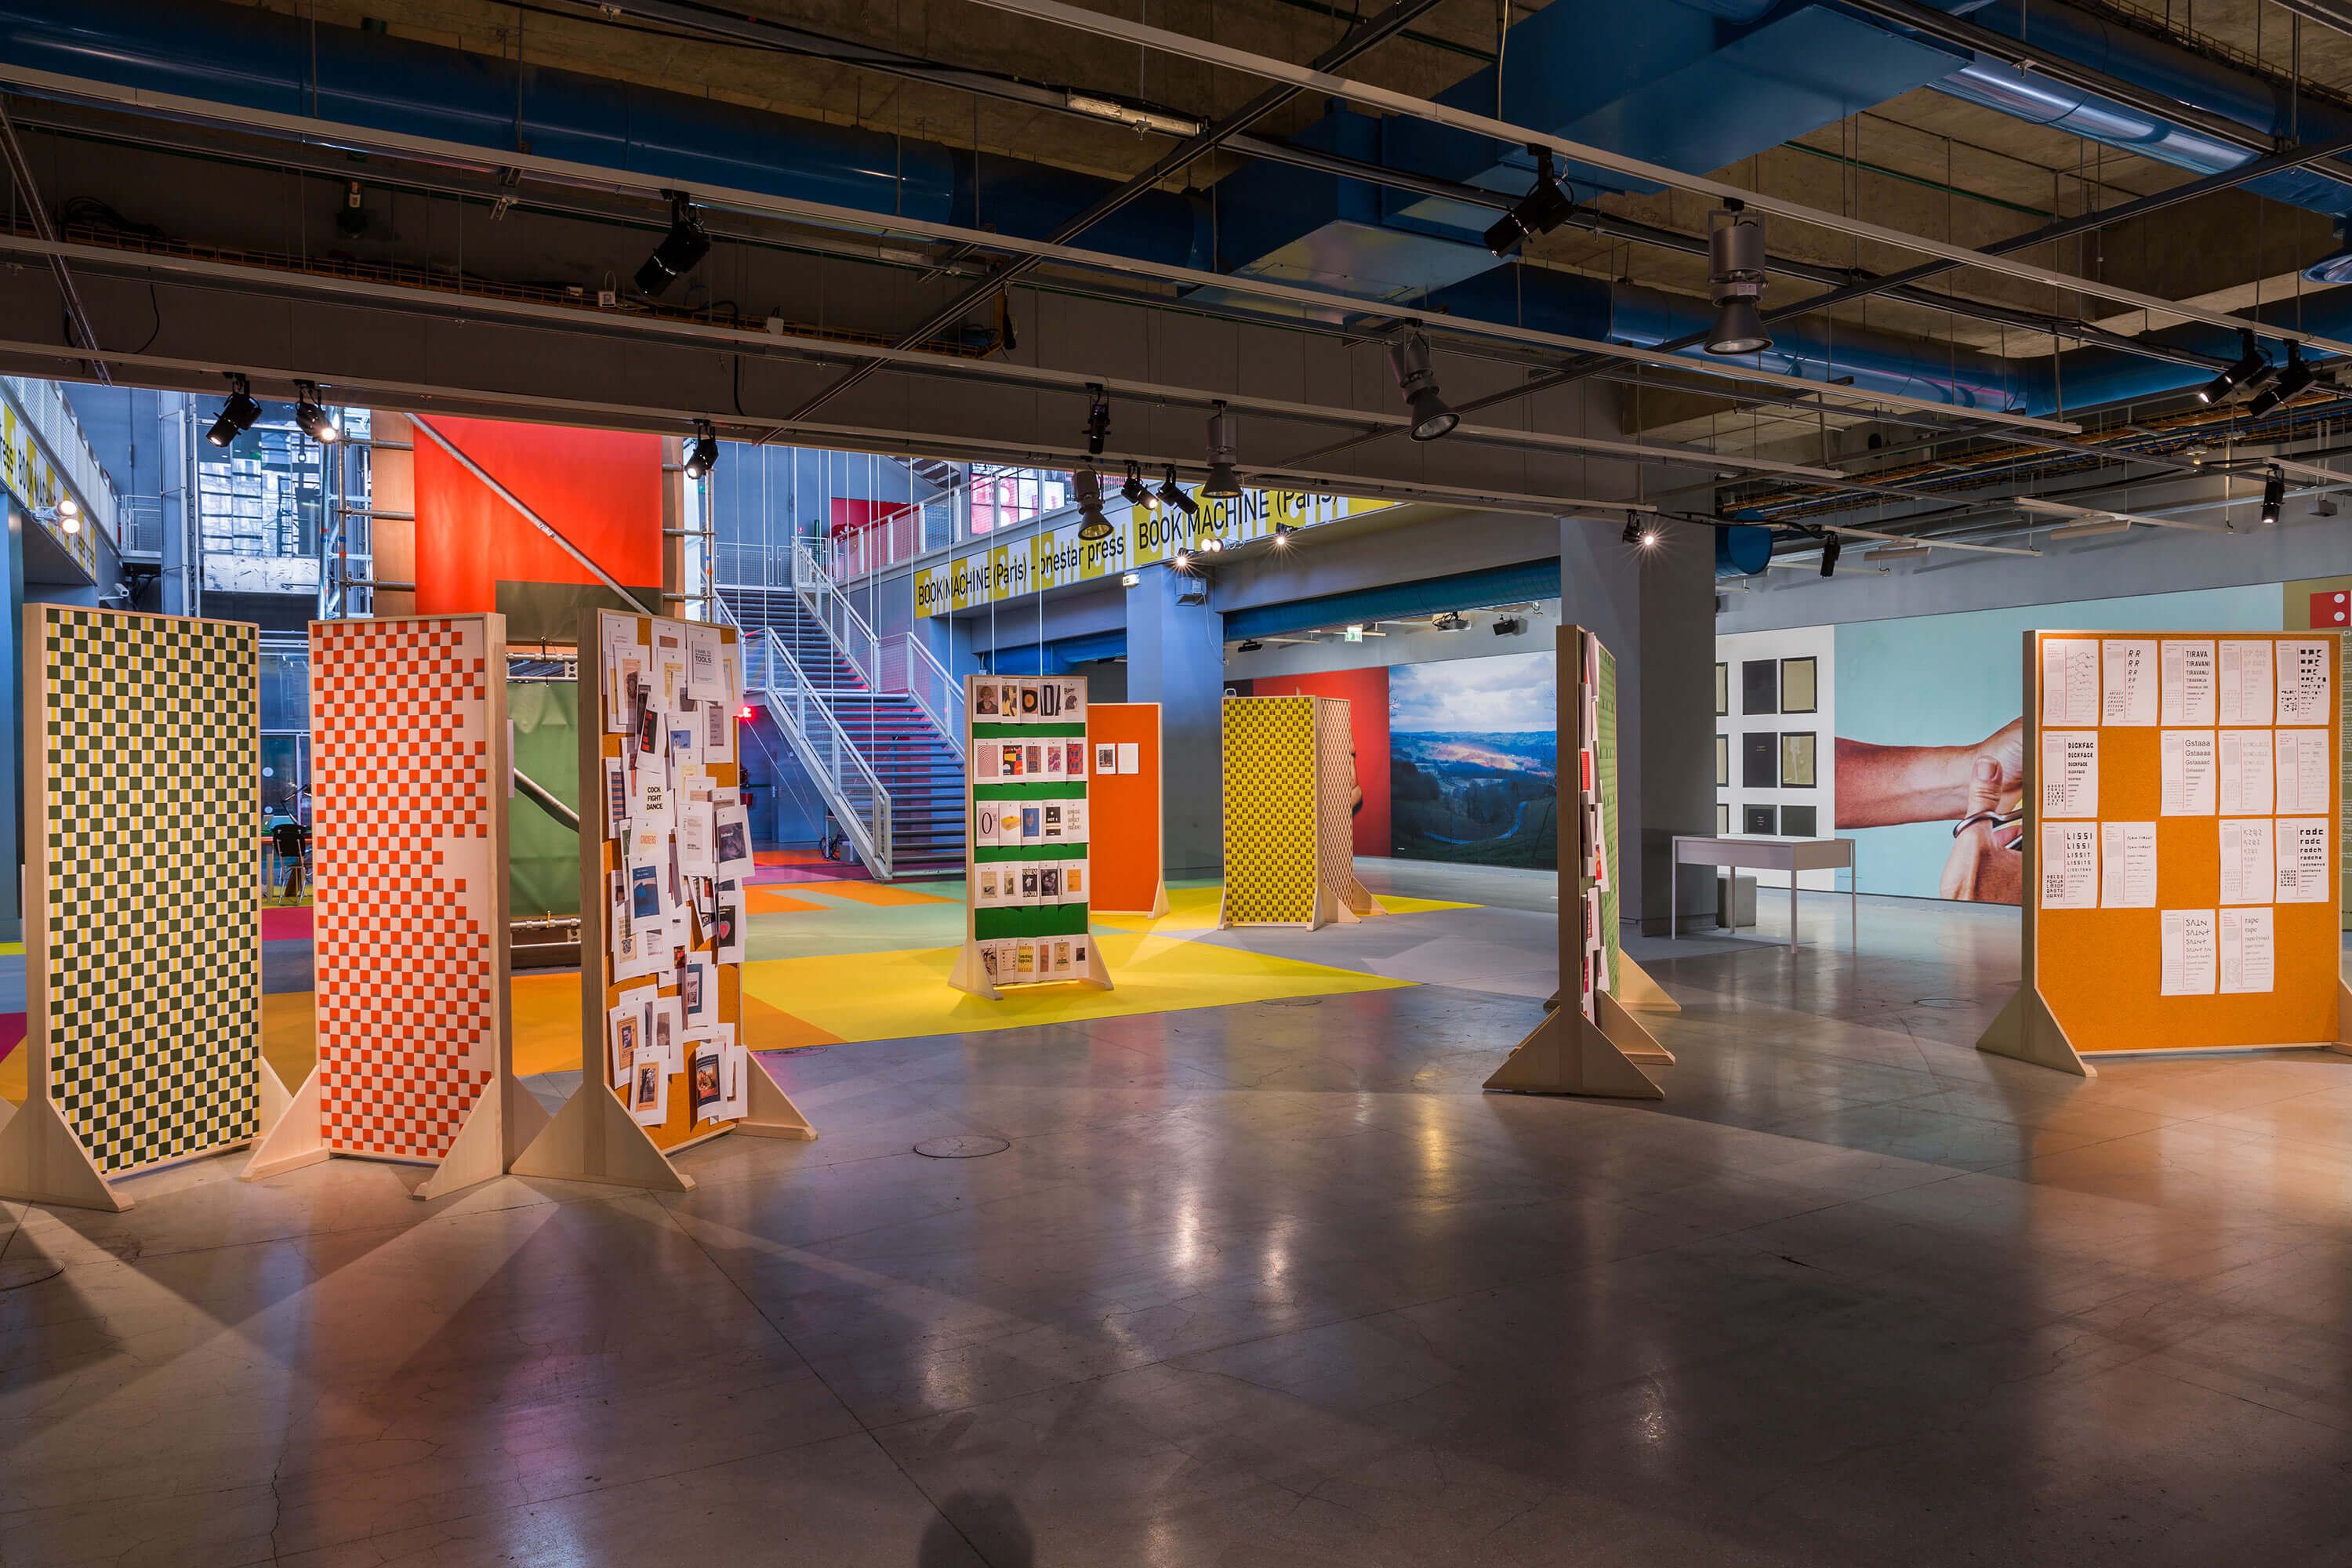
{"x":1268,"y":1284}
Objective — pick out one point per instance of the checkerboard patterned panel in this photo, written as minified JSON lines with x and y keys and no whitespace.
{"x":401,"y":816}
{"x":150,"y":732}
{"x":1270,"y":810}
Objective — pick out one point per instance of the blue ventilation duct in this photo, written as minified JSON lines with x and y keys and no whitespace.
{"x":1692,"y":84}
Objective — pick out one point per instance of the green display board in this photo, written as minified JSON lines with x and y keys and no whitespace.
{"x":543,"y":853}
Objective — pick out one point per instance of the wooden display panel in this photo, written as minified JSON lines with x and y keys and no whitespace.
{"x":410,"y":763}
{"x":996,"y":928}
{"x":142,"y":922}
{"x":593,"y":1138}
{"x":2092,"y":977}
{"x":1127,"y":854}
{"x":1593,"y":1048}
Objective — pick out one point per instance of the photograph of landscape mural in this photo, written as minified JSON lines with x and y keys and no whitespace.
{"x":1474,"y":761}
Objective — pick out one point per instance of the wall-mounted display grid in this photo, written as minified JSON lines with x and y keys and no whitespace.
{"x":143,"y":907}
{"x":1591,"y":1048}
{"x":409,"y":767}
{"x":1123,"y":794}
{"x":664,"y":855}
{"x":2183,"y":794}
{"x":1028,"y":880}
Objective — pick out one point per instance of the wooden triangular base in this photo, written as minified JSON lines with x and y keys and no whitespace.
{"x":1567,"y":1054}
{"x":1634,"y":987}
{"x":2025,"y":1030}
{"x":506,"y":1117}
{"x":295,"y":1141}
{"x":593,"y":1139}
{"x":1628,"y":1034}
{"x":41,"y":1162}
{"x":773,"y":1114}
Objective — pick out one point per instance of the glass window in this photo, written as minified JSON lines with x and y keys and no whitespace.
{"x":1799,"y":686}
{"x":1797,"y":759}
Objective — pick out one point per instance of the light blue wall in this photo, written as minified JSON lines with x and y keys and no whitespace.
{"x":1944,"y":681}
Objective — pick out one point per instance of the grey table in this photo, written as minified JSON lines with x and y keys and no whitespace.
{"x":1789,"y":855}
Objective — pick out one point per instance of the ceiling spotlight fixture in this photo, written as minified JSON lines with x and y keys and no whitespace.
{"x":1097,"y":419}
{"x":1172,"y":495}
{"x":1544,"y":207}
{"x":1640,"y":530}
{"x":2250,"y":361}
{"x":1249,"y":645}
{"x":1094,"y":525}
{"x":1735,"y":276}
{"x":1510,"y":626}
{"x":1225,"y":442}
{"x":1408,"y":359}
{"x":1284,"y":536}
{"x":1831,"y":547}
{"x":702,"y":452}
{"x":1130,"y":579}
{"x":1134,"y":491}
{"x":1211,"y":543}
{"x":680,"y":250}
{"x":2290,"y":383}
{"x":1183,"y":561}
{"x":1451,"y":621}
{"x":236,"y":416}
{"x":2274,"y":497}
{"x":315,"y":421}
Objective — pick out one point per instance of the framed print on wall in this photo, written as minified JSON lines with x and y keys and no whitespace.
{"x":1722,"y":819}
{"x":1797,"y":759}
{"x":1760,"y":821}
{"x":1759,"y":685}
{"x":1759,"y":761}
{"x":1723,"y":761}
{"x":1722,"y":691}
{"x":1800,"y":685}
{"x":1797,"y":822}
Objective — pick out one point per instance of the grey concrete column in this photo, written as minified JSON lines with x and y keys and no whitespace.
{"x":1176,"y":658}
{"x":1654,"y":610}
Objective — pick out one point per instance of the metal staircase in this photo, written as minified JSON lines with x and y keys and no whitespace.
{"x":877,"y":723}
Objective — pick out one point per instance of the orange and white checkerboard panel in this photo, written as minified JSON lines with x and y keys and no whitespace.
{"x":401,"y":819}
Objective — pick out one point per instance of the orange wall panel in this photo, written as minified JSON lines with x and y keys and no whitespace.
{"x":1123,"y":849}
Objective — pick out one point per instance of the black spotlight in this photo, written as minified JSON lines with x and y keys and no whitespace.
{"x":1509,"y":626}
{"x":703,"y":455}
{"x":1094,"y":525}
{"x":316,"y":421}
{"x":1632,"y":532}
{"x":1831,"y":547}
{"x":1408,"y":359}
{"x":2249,"y":362}
{"x":1544,"y":207}
{"x":1171,"y":496}
{"x":1134,"y":491}
{"x":2290,"y":383}
{"x":685,"y":245}
{"x":1097,"y":421}
{"x":236,"y":416}
{"x":1224,"y":446}
{"x":1734,"y":270}
{"x":2273,"y":498}
{"x":1249,"y":645}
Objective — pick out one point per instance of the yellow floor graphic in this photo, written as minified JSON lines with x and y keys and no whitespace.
{"x":1196,"y":909}
{"x":897,"y":995}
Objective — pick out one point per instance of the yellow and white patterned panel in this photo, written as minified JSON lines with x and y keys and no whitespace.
{"x":1270,"y":810}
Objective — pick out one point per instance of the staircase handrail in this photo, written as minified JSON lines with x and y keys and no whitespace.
{"x":823,"y":598}
{"x":938,"y":694}
{"x":793,"y":702}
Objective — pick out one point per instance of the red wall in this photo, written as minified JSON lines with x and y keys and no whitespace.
{"x":601,"y":489}
{"x":1366,"y":692}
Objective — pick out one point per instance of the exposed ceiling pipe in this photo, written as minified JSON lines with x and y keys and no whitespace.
{"x":1366,"y":36}
{"x":29,"y":191}
{"x":2332,"y":14}
{"x":1309,"y":78}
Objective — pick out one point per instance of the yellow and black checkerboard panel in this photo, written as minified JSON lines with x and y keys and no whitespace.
{"x":151,"y":730}
{"x":1269,"y":810}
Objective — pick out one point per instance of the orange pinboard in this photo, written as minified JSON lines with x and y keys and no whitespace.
{"x":1124,"y":845}
{"x":2099,"y":969}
